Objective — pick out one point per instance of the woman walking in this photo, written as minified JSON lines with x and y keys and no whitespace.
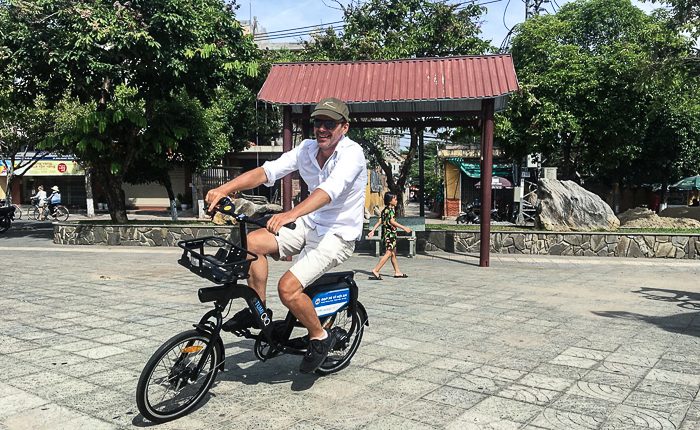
{"x":389,"y":226}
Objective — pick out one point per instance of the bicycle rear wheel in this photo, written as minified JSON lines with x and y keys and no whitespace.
{"x":169,"y":385}
{"x":18,"y":211}
{"x":348,"y":328}
{"x":61,"y":213}
{"x":38,"y":212}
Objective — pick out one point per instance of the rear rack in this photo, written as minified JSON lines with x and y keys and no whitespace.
{"x":215,"y":259}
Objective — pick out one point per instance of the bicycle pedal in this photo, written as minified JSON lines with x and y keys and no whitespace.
{"x":243,"y":333}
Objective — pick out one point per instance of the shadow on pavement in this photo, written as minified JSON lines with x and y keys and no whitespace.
{"x":243,"y":367}
{"x":278,"y":370}
{"x":683,"y":323}
{"x":29,"y":229}
{"x":467,"y":259}
{"x":684,"y":299}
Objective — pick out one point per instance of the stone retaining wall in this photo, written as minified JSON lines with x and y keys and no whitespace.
{"x":616,"y":244}
{"x":136,"y":234}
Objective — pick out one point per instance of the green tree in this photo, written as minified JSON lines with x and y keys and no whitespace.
{"x":109,"y":66}
{"x":22,"y":130}
{"x":393,"y":29}
{"x":596,"y":80}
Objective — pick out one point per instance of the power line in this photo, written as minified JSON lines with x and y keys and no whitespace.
{"x":297,"y":28}
{"x":301,"y":32}
{"x":298,"y":34}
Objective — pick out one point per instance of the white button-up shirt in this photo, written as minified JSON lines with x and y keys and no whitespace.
{"x":343,"y":178}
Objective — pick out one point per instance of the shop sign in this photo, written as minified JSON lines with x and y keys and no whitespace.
{"x":49,"y":168}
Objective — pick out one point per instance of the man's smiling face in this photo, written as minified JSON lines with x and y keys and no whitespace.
{"x":329,"y":131}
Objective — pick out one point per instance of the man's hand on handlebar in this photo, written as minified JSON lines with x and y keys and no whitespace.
{"x":277,"y":221}
{"x":213,"y":197}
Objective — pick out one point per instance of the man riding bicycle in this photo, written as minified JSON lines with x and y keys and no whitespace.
{"x":330,"y":220}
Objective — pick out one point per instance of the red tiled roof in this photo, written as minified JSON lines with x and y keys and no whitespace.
{"x":420,"y":79}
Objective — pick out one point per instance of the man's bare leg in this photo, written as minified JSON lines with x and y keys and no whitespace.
{"x":292,"y":296}
{"x":262,"y":243}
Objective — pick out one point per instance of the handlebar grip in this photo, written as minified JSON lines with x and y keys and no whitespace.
{"x":291,"y":225}
{"x":221,"y":203}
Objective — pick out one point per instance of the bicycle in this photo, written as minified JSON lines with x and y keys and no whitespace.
{"x":60,"y":213}
{"x":18,"y":209}
{"x":184,"y":368}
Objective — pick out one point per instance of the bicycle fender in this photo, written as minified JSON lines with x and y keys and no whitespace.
{"x":222,"y":352}
{"x":363,"y":313}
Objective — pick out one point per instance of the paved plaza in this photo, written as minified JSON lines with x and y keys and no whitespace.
{"x":531,"y":342}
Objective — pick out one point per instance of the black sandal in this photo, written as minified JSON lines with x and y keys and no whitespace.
{"x":403,"y":275}
{"x":374,"y":277}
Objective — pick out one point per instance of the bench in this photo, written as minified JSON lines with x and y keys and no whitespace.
{"x":415,"y":223}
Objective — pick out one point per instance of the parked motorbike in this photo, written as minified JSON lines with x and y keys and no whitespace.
{"x":7,"y":214}
{"x":468,"y":215}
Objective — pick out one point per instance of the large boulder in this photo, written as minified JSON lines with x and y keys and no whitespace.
{"x":566,"y":206}
{"x":248,"y":208}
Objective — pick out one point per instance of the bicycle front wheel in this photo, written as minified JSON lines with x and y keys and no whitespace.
{"x":61,"y":213}
{"x":170,"y":385}
{"x":18,"y":212}
{"x":347,"y":326}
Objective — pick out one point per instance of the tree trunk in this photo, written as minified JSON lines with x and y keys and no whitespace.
{"x":89,"y":202}
{"x":165,"y":180}
{"x":400,"y":185}
{"x":10,"y":183}
{"x":112,"y":186}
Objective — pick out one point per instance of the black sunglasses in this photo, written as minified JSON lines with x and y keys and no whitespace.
{"x":328,"y":124}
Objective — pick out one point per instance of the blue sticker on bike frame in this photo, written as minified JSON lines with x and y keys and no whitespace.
{"x":329,"y":302}
{"x":259,"y":307}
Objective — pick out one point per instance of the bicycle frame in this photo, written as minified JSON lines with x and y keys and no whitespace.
{"x":342,"y":283}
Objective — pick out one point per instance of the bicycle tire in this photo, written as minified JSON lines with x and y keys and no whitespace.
{"x":177,"y":374}
{"x":37,"y":214}
{"x":340,"y":357}
{"x":61,"y":213}
{"x":18,"y":211}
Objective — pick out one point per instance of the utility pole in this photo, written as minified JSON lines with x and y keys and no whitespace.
{"x":533,"y":7}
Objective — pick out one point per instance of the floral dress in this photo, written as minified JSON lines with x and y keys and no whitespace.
{"x":388,"y":230}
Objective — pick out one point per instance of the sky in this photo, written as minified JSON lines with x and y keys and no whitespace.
{"x":277,"y":15}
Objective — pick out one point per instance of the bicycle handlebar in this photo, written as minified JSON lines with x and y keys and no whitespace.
{"x":226,"y":207}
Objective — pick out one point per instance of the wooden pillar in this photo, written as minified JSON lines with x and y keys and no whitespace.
{"x":421,"y":172}
{"x":487,"y":109}
{"x":286,"y":147}
{"x":305,"y":133}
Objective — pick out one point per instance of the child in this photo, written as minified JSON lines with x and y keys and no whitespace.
{"x":389,"y":224}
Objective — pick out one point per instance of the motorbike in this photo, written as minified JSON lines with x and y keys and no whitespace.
{"x":7,"y":214}
{"x":468,"y":215}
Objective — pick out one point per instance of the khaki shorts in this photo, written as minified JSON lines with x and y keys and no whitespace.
{"x":316,"y":254}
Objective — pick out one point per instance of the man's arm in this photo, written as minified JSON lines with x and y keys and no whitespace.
{"x":246,"y":181}
{"x":316,"y":200}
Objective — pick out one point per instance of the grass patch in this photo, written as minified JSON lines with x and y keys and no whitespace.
{"x":475,"y":227}
{"x":497,"y":227}
{"x":624,"y":230}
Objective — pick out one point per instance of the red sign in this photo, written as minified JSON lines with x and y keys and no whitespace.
{"x":62,"y":167}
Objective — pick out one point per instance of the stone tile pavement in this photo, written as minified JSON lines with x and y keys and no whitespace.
{"x":529,"y":343}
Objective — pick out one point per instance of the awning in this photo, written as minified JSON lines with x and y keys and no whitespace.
{"x":473,"y":170}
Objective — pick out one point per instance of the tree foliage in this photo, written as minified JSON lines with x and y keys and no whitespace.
{"x":393,"y":29}
{"x":603,"y":94}
{"x":120,"y":75}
